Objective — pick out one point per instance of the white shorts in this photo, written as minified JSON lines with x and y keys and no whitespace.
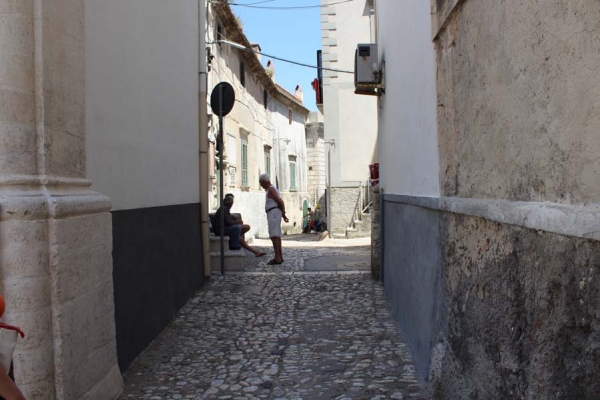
{"x":274,"y":221}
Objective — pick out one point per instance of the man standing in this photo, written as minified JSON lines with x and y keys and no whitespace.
{"x":275,"y":209}
{"x":235,"y":229}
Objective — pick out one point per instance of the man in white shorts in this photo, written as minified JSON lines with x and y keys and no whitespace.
{"x":275,"y":209}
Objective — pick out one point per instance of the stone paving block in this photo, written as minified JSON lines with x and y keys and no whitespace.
{"x":281,"y":333}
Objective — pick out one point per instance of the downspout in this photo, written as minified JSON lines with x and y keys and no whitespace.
{"x":203,"y":116}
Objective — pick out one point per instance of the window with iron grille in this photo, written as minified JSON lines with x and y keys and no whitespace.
{"x":242,"y":74}
{"x":244,"y":163}
{"x":292,"y":175}
{"x":268,"y":163}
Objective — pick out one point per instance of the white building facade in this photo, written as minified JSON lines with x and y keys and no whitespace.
{"x":350,"y":119}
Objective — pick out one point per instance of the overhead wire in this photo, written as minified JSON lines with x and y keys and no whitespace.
{"x":248,"y":49}
{"x":250,"y":5}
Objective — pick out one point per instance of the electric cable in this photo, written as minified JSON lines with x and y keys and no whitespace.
{"x":281,"y":7}
{"x":244,"y":48}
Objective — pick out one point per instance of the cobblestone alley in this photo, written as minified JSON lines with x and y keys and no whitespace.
{"x":316,"y":327}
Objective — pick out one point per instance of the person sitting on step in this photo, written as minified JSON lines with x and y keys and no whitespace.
{"x":234,"y":228}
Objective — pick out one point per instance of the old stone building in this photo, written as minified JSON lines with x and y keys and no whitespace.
{"x":264,"y":133}
{"x":489,"y":159}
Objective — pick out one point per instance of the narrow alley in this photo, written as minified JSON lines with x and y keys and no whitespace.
{"x":316,"y":327}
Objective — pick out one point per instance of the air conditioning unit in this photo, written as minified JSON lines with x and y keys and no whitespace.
{"x":367,"y":77}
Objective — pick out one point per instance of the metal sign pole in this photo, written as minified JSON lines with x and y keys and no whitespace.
{"x":221,"y":186}
{"x":222,"y":100}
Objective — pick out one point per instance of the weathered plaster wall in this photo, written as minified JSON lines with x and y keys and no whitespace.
{"x":523,"y":311}
{"x":518,"y":122}
{"x":518,"y":101}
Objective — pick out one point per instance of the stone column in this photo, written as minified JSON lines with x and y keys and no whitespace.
{"x":55,"y":233}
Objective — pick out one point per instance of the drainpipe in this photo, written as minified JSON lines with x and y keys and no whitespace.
{"x":203,"y":93}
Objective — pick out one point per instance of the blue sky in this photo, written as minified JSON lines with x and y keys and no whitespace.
{"x":290,"y":34}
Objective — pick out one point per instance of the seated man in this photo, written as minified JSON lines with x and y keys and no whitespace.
{"x":313,"y":223}
{"x":235,"y":229}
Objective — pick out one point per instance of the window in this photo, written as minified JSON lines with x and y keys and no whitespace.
{"x":244,"y":163}
{"x":242,"y":74}
{"x":219,"y":33}
{"x":265,"y":98}
{"x":292,"y":175}
{"x":267,"y":162}
{"x":290,"y":115}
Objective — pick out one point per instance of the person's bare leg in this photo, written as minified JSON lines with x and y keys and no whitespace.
{"x":245,"y":229}
{"x":277,"y":247}
{"x":251,"y":249}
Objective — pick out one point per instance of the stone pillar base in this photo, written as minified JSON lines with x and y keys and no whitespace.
{"x":56,"y":263}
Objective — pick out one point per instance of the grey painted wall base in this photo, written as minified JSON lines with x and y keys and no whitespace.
{"x":412,"y":271}
{"x":157,"y":268}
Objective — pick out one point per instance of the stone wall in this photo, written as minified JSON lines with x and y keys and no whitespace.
{"x":517,"y":100}
{"x":343,"y":203}
{"x":55,"y":233}
{"x":317,"y":169}
{"x":522,"y":312}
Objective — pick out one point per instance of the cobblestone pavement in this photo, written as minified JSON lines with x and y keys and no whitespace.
{"x":287,"y":333}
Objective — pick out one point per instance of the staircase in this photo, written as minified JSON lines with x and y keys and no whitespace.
{"x":234,"y":259}
{"x":360,"y":225}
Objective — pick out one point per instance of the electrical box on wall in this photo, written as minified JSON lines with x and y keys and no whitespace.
{"x":367,"y":76}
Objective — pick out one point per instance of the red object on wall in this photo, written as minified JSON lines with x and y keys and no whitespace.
{"x":374,"y":172}
{"x":316,"y":86}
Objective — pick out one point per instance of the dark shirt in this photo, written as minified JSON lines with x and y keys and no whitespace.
{"x":217,"y":220}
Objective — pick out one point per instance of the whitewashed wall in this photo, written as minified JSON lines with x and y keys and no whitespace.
{"x":295,"y":133}
{"x":350,"y":119}
{"x":408,"y":130}
{"x":142,"y":101}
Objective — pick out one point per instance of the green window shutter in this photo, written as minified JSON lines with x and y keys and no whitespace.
{"x":244,"y":164}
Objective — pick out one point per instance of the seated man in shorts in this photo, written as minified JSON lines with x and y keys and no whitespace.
{"x":235,"y":229}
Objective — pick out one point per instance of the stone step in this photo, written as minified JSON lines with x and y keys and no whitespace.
{"x":357,"y":233}
{"x":215,"y":243}
{"x":234,"y":261}
{"x":338,"y":236}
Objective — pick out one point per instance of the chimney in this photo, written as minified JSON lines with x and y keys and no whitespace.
{"x":299,"y":94}
{"x":271,"y":70}
{"x":256,"y":47}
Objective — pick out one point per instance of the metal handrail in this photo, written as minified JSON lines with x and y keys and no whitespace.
{"x":363,"y":202}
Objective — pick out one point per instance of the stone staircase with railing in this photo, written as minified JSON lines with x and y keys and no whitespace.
{"x":360,"y":224}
